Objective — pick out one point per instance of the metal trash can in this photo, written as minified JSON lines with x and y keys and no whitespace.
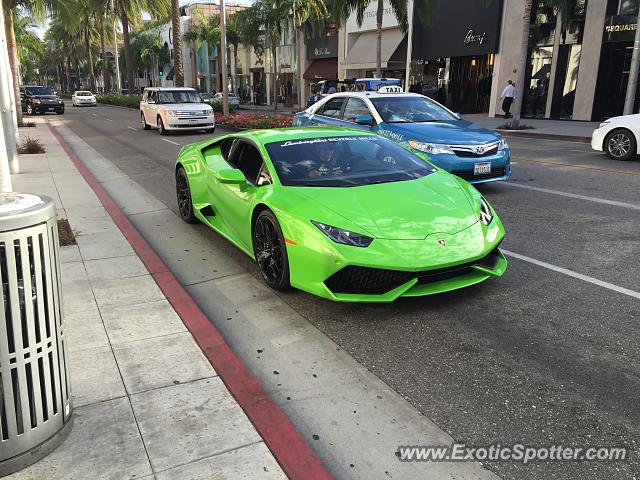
{"x":35,"y":396}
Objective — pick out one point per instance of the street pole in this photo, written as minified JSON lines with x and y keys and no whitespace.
{"x":115,"y":43}
{"x":223,"y":58}
{"x":409,"y":44}
{"x":630,"y":98}
{"x":9,"y":153}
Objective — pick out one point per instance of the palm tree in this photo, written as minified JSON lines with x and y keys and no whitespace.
{"x":304,"y":12}
{"x":204,"y":31}
{"x":178,"y":67}
{"x":130,"y":11}
{"x":30,"y":47}
{"x":233,"y":40}
{"x":343,"y":8}
{"x":37,"y":10}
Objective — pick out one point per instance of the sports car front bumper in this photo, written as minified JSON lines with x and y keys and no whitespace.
{"x":388,"y":269}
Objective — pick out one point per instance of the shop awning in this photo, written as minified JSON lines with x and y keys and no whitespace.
{"x":363,"y":53}
{"x":322,"y":69}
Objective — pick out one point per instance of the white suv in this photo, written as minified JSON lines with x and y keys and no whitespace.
{"x":171,"y":109}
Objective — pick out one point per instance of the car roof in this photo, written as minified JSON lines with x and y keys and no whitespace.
{"x":172,"y":89}
{"x":373,"y":95}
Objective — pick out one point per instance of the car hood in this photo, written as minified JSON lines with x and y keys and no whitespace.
{"x":454,"y":132}
{"x":408,"y":210}
{"x":47,"y":97}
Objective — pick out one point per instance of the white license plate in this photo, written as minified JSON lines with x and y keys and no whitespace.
{"x":481,"y":168}
{"x":51,"y":108}
{"x":193,"y":121}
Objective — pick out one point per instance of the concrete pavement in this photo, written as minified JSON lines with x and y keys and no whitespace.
{"x":148,"y":404}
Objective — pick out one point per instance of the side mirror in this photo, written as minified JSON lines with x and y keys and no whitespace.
{"x":231,"y":175}
{"x":364,"y":120}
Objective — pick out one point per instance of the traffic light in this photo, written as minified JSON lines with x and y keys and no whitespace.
{"x":161,"y":73}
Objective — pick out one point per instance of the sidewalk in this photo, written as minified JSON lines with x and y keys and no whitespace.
{"x":543,"y":128}
{"x":148,"y":403}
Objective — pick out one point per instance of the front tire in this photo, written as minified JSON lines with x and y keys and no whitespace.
{"x":270,"y":251}
{"x":144,"y":123}
{"x":620,"y":145}
{"x":183,"y":194}
{"x":161,"y":129}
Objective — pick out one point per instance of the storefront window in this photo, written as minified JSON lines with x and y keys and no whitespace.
{"x":535,"y":97}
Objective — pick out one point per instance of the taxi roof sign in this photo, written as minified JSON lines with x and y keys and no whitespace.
{"x":390,"y":89}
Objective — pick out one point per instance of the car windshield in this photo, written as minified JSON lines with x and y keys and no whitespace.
{"x":397,"y":109}
{"x":347,"y":161}
{"x":178,"y":96}
{"x":38,"y":91}
{"x":83,"y":94}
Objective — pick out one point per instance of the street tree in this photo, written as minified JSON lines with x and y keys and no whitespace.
{"x":204,"y":30}
{"x":304,"y":13}
{"x":37,"y":10}
{"x":178,"y":66}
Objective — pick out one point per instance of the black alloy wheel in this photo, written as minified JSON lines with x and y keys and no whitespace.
{"x":29,"y":110}
{"x":270,"y":251}
{"x":143,"y":122}
{"x":620,"y":145}
{"x":161,"y":129}
{"x":183,"y":194}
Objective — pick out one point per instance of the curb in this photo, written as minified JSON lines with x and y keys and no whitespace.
{"x":544,"y":136}
{"x":290,"y":450}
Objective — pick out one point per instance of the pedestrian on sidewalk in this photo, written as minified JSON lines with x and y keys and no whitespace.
{"x":507,"y":98}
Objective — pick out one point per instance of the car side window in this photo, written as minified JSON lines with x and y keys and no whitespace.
{"x":225,"y":147}
{"x":264,"y":177}
{"x":246,"y":158}
{"x":332,"y":108}
{"x":152,"y":96}
{"x":355,"y":107}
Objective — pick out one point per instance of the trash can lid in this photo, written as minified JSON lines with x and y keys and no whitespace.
{"x":19,"y":210}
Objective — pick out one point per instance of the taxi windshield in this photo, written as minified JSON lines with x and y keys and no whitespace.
{"x":410,"y":109}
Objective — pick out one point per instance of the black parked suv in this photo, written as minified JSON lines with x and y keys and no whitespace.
{"x":36,"y":99}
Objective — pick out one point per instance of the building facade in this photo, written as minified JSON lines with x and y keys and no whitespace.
{"x":576,"y":69}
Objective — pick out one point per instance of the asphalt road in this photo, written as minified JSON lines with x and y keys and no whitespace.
{"x":549,"y":354}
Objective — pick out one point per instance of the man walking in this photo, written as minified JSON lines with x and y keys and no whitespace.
{"x":507,"y":98}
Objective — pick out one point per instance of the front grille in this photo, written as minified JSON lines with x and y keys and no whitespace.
{"x":468,"y":175}
{"x":185,"y":115}
{"x":365,"y":280}
{"x":192,"y":125}
{"x":469,"y":153}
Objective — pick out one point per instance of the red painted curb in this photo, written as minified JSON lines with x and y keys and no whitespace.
{"x":290,"y":450}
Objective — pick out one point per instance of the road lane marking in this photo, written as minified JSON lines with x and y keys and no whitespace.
{"x":131,"y":128}
{"x":571,"y":273}
{"x":582,"y":151}
{"x":573,"y":165}
{"x":95,"y":115}
{"x":164,"y":139}
{"x":514,"y":163}
{"x":109,"y":120}
{"x":575,"y":195}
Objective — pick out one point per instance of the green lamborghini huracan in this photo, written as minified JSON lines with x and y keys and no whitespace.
{"x":342,"y":214}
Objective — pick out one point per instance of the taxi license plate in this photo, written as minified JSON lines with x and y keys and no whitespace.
{"x":481,"y":168}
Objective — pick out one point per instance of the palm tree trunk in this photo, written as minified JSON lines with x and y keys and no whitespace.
{"x":379,"y":16}
{"x":178,"y":68}
{"x":128,"y":55}
{"x":299,"y":67}
{"x":68,"y":75}
{"x":103,"y":52}
{"x":274,"y":55}
{"x":87,"y":44}
{"x":524,"y":50}
{"x":12,"y":50}
{"x":234,"y":72}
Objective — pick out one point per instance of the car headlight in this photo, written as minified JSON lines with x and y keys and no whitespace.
{"x":345,"y":237}
{"x":502,"y":144}
{"x":207,"y":112}
{"x":603,"y":124}
{"x":434,"y":148}
{"x":486,"y":216}
{"x":172,"y":113}
{"x":60,"y":102}
{"x":36,"y":101}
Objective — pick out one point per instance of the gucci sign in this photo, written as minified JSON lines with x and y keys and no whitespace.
{"x":474,"y":37}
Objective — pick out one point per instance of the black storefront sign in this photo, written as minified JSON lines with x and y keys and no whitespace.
{"x":620,"y":28}
{"x":459,"y":28}
{"x":322,"y":47}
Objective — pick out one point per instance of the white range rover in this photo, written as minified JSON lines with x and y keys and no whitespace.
{"x":170,"y":109}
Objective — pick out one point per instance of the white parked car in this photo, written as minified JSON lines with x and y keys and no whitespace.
{"x":618,"y":137}
{"x":234,"y":99}
{"x":81,"y":98}
{"x":172,"y":109}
